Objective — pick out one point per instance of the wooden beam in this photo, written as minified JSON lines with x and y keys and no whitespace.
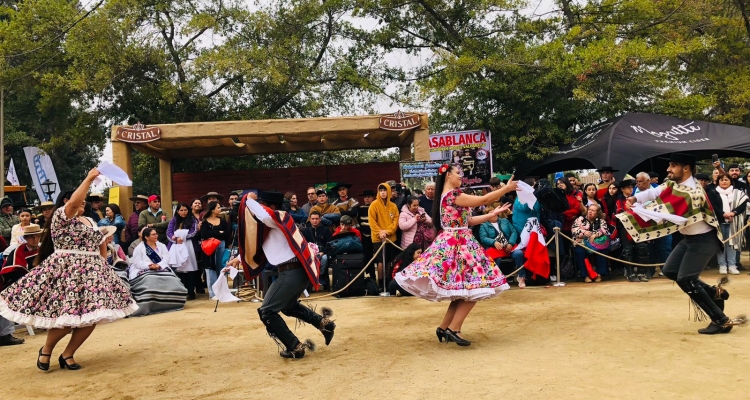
{"x":122,"y":156}
{"x":422,"y":142}
{"x":149,"y":150}
{"x":288,"y":147}
{"x":165,"y":181}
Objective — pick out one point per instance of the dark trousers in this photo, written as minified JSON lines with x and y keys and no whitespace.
{"x":601,"y":262}
{"x":686,"y":262}
{"x":188,"y":280}
{"x":283,"y":296}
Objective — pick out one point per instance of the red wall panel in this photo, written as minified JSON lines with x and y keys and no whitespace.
{"x":187,"y":186}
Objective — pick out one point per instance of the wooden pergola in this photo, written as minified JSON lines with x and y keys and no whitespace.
{"x":236,"y":138}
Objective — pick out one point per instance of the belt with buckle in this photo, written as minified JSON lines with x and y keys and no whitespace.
{"x":288,"y":266}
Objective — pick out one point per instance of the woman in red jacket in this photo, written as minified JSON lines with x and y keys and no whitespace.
{"x":575,"y":205}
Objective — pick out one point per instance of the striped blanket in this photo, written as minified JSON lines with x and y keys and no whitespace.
{"x":675,"y":199}
{"x":157,"y":292}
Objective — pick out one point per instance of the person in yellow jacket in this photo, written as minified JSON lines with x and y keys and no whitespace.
{"x":383,"y":216}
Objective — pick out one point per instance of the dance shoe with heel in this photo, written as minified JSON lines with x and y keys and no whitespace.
{"x":39,"y":363}
{"x":440,"y":332}
{"x":452,"y":336}
{"x":64,"y":364}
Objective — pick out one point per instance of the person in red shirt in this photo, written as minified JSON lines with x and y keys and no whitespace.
{"x":347,"y":225}
{"x":575,"y":204}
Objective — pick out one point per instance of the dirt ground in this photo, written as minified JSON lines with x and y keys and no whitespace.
{"x":609,"y":340}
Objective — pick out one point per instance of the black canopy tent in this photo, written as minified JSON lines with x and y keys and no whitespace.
{"x":642,"y":142}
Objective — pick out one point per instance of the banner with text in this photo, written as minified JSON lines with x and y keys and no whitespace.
{"x":40,"y":166}
{"x":470,"y":151}
{"x":418,"y":173}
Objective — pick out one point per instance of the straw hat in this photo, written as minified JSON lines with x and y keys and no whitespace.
{"x":44,"y":205}
{"x":139,"y":197}
{"x":32,"y":229}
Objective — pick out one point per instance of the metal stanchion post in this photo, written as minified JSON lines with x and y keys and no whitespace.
{"x":384,"y":293}
{"x":557,"y":258}
{"x":257,"y":290}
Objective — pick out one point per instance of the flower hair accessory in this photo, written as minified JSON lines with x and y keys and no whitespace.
{"x":443,"y":168}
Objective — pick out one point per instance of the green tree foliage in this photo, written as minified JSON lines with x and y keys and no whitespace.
{"x":535,"y":80}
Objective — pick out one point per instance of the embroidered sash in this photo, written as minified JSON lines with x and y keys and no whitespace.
{"x":676,"y":199}
{"x":252,"y":233}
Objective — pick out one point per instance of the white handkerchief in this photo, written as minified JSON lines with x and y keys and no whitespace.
{"x":221,"y":288}
{"x":114,"y":173}
{"x":658,"y":217}
{"x":526,"y":194}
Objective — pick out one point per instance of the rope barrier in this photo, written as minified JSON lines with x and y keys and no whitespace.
{"x":557,"y":231}
{"x":637,"y":264}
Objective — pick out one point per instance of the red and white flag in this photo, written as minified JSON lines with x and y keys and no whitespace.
{"x":535,"y":249}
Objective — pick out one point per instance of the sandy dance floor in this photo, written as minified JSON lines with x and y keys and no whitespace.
{"x":608,"y":340}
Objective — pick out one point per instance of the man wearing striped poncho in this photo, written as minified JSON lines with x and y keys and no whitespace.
{"x":682,"y":197}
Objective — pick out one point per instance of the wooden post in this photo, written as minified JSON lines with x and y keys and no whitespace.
{"x":421,"y":142}
{"x":122,"y":156}
{"x":165,"y":181}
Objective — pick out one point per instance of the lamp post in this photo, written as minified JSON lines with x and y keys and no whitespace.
{"x":48,"y":187}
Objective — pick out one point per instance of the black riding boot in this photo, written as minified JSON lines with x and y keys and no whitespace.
{"x":322,"y":322}
{"x":718,"y":293}
{"x":705,"y":302}
{"x":279,"y":331}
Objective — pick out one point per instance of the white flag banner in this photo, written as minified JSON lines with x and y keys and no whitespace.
{"x":12,"y":176}
{"x":40,"y":166}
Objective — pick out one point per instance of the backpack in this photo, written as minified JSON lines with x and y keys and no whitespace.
{"x":347,"y":242}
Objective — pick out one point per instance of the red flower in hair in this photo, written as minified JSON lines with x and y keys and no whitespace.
{"x":443,"y":168}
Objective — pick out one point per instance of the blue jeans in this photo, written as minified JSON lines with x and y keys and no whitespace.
{"x":324,"y":279}
{"x":728,"y":257}
{"x":601,"y":262}
{"x":519,"y":259}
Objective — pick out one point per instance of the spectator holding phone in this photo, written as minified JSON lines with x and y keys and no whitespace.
{"x":412,"y":215}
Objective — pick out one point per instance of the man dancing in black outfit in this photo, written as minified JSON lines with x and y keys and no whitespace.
{"x":277,"y":238}
{"x":702,"y":238}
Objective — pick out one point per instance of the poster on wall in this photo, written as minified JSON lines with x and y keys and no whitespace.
{"x":470,"y":151}
{"x":418,"y":173}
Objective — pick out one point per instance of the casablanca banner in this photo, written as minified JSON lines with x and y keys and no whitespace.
{"x":40,"y":166}
{"x":470,"y":151}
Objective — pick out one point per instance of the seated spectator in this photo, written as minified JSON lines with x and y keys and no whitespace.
{"x":154,"y":286}
{"x":587,"y":229}
{"x":150,"y":255}
{"x":331,"y":215}
{"x":16,"y":265}
{"x":631,"y":251}
{"x":112,"y":217}
{"x":409,"y":255}
{"x":500,"y":239}
{"x":316,"y":233}
{"x":347,"y":225}
{"x":16,"y":234}
{"x":415,"y":224}
{"x":46,"y":209}
{"x":290,"y":206}
{"x":575,"y":205}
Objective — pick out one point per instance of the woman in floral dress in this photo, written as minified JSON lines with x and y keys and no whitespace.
{"x":71,"y":288}
{"x":455,"y":267}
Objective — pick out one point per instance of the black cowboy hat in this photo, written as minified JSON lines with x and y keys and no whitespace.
{"x":368,"y":192}
{"x":702,"y":176}
{"x":95,"y":197}
{"x":272,"y":197}
{"x":321,"y":191}
{"x":681,"y":158}
{"x":607,"y":168}
{"x":340,"y":185}
{"x":626,"y":183}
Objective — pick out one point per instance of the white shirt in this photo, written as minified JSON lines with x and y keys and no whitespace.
{"x":140,"y":261}
{"x":497,"y":227}
{"x":275,"y":246}
{"x":651,"y":194}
